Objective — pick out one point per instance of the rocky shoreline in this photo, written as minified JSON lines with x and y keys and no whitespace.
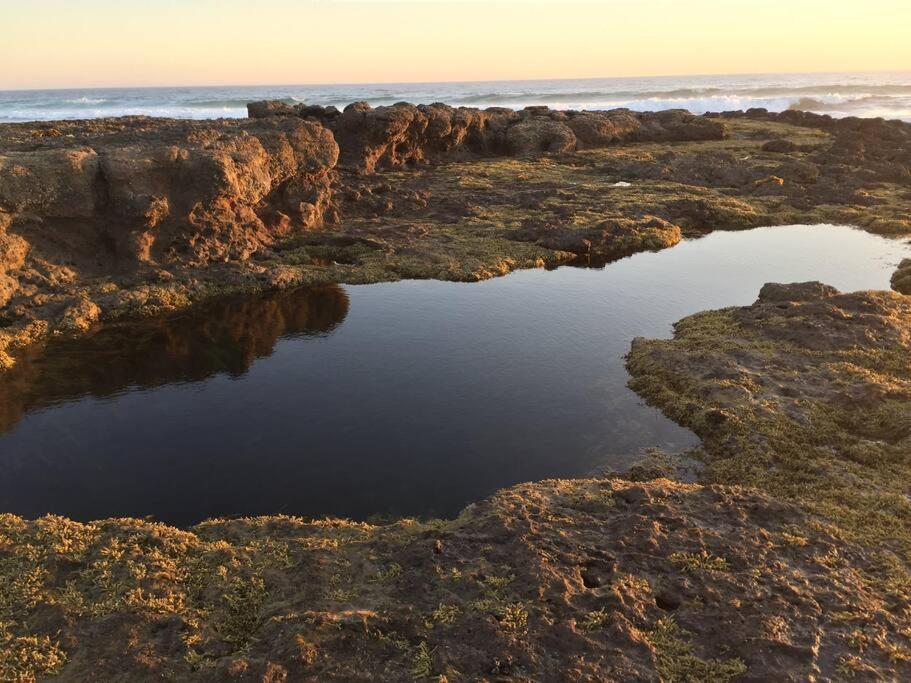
{"x":135,"y":216}
{"x":790,"y":559}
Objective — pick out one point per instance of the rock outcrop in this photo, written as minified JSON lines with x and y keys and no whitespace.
{"x":806,"y":395}
{"x":901,"y":278}
{"x":96,"y":196}
{"x":881,"y":148}
{"x":403,"y":133}
{"x":588,"y":580}
{"x":609,"y":239}
{"x":138,"y":216}
{"x":119,"y":192}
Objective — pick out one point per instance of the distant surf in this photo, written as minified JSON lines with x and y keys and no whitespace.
{"x":862,"y":94}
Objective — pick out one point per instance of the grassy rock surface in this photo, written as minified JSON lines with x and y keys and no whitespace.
{"x":463,"y":217}
{"x":789,"y":562}
{"x":559,"y":580}
{"x":805,"y":395}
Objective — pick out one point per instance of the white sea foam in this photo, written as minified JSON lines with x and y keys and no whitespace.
{"x":886,"y":95}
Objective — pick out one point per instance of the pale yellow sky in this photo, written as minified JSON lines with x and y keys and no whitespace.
{"x":84,"y":43}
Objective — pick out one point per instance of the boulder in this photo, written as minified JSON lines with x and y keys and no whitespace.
{"x":773,"y":292}
{"x":537,"y":135}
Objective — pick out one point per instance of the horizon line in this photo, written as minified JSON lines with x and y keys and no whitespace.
{"x":451,"y":81}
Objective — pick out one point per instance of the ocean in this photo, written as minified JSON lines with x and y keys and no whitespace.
{"x":859,"y":94}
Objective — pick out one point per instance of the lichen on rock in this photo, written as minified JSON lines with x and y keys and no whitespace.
{"x":805,"y":395}
{"x":602,"y":578}
{"x":141,"y":216}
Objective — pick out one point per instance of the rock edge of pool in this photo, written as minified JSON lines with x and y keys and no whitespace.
{"x":789,"y":559}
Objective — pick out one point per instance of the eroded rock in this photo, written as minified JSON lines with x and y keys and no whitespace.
{"x":134,"y":189}
{"x":598,"y":579}
{"x":901,"y":278}
{"x":806,"y":395}
{"x":391,"y":136}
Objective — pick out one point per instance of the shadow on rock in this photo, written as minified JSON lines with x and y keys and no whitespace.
{"x":225,"y":337}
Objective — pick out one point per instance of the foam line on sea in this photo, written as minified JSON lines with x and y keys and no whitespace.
{"x":862,"y":94}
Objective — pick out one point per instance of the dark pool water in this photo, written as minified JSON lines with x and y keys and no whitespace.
{"x":409,"y":398}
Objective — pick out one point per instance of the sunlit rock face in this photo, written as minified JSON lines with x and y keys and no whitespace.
{"x":133,"y":190}
{"x":403,"y":133}
{"x":135,"y":215}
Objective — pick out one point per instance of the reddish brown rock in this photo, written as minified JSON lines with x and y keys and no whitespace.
{"x":534,"y":136}
{"x":157,"y":190}
{"x":403,"y":133}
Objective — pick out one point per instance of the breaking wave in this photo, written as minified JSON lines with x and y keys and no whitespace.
{"x":235,"y":103}
{"x":886,"y":95}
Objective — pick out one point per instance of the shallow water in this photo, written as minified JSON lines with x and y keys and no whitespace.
{"x":409,"y":398}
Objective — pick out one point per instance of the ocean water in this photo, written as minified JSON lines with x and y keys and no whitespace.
{"x":861,"y":94}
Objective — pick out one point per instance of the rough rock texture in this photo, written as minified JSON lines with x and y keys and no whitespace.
{"x":140,"y":216}
{"x":584,"y":580}
{"x":806,"y":395}
{"x":406,"y":134}
{"x":901,"y":279}
{"x":607,"y":239}
{"x":882,"y":148}
{"x":803,"y":396}
{"x":142,"y":190}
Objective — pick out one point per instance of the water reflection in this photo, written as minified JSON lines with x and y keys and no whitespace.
{"x":431,"y":395}
{"x":225,"y":337}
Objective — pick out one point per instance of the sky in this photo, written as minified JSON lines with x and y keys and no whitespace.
{"x":109,"y":43}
